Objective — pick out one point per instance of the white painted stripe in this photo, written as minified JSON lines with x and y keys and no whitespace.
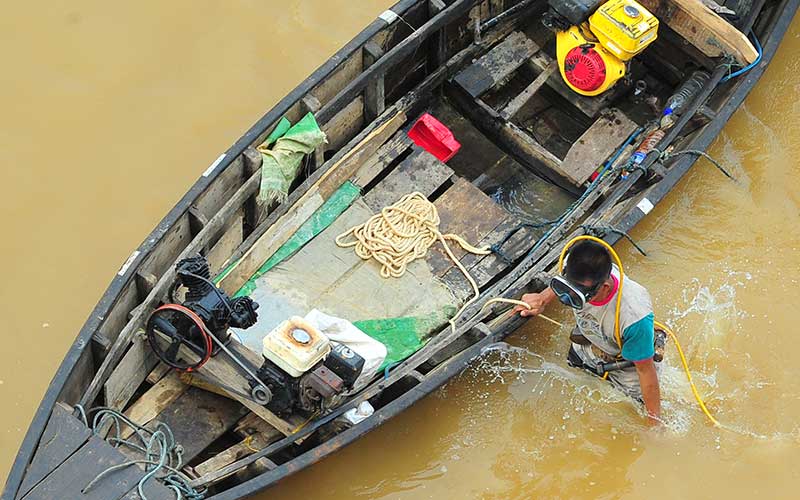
{"x":645,"y":206}
{"x":128,"y":262}
{"x":214,"y":165}
{"x":389,"y":16}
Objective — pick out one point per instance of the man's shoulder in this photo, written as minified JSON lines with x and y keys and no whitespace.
{"x":636,"y":302}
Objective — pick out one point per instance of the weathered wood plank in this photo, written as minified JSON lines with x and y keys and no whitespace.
{"x":466,"y":211}
{"x":227,"y":243}
{"x":61,"y":437}
{"x":589,"y":106}
{"x":518,"y":102}
{"x":375,"y":93}
{"x":198,"y":418}
{"x":599,"y":142}
{"x":345,"y":124}
{"x":497,"y":64}
{"x":153,"y":402}
{"x":251,"y":443}
{"x":134,"y":366}
{"x":421,"y":171}
{"x":71,"y":478}
{"x":382,"y":158}
{"x":703,"y":28}
{"x":222,"y":376}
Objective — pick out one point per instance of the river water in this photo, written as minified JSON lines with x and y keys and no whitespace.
{"x":113,"y":110}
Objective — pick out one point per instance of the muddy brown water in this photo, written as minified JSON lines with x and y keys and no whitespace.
{"x":111,"y":112}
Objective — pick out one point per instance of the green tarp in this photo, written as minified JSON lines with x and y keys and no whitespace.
{"x":281,"y":162}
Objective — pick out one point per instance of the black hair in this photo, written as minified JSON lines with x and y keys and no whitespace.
{"x":588,"y":261}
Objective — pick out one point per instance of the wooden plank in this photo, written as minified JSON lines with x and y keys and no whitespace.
{"x":375,"y":93}
{"x":198,"y":418}
{"x":382,"y":158}
{"x":71,"y":478}
{"x":153,"y":402}
{"x":345,"y":124}
{"x":260,"y":436}
{"x":134,"y":366}
{"x":497,"y":64}
{"x":311,"y":105}
{"x":157,"y":373}
{"x":703,"y":28}
{"x":282,"y":228}
{"x":227,"y":243}
{"x":222,"y":376}
{"x":589,"y":106}
{"x":421,"y":172}
{"x":466,"y":211}
{"x":518,"y":102}
{"x":599,"y":142}
{"x":61,"y":437}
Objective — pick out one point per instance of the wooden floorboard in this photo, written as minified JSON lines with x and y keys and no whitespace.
{"x":62,"y":436}
{"x":466,"y":211}
{"x":421,"y":171}
{"x":497,"y":64}
{"x":70,"y":479}
{"x":198,"y":418}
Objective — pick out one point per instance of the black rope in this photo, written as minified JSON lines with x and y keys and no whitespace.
{"x":601,"y":230}
{"x":497,"y":248}
{"x":666,"y":156}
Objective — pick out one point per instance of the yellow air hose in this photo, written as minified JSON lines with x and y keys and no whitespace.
{"x":656,"y":323}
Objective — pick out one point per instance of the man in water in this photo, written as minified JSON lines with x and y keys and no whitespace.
{"x":589,"y":285}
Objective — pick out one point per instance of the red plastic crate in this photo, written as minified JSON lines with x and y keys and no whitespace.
{"x":434,"y":137}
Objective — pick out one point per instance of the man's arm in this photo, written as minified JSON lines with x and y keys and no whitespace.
{"x":651,"y":393}
{"x":537,"y":301}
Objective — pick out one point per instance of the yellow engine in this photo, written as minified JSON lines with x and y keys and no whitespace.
{"x":592,"y":56}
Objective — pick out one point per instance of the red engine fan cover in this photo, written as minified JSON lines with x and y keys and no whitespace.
{"x":584,"y":68}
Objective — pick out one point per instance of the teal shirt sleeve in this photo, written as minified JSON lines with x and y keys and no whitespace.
{"x":637,"y":340}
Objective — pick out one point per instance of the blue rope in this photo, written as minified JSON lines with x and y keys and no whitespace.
{"x":749,"y":66}
{"x":161,"y":453}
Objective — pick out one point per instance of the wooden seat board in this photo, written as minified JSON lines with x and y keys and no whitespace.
{"x":73,"y":475}
{"x":497,"y":64}
{"x":598,"y":143}
{"x":198,"y":418}
{"x":466,"y":211}
{"x":61,"y":437}
{"x":421,"y":171}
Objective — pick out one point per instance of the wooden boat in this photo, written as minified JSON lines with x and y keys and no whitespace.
{"x":484,"y":69}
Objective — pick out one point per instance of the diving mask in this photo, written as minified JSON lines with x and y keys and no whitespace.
{"x":572,"y":294}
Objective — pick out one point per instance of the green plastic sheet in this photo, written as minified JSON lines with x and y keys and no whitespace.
{"x":321,"y":219}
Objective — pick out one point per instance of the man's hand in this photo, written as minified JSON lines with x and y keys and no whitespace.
{"x":536,"y":301}
{"x":651,"y":393}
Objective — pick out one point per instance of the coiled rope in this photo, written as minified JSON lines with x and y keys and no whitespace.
{"x":403,"y":232}
{"x":163,"y":457}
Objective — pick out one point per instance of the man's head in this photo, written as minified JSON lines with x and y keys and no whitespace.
{"x":588,"y":270}
{"x":588,"y":264}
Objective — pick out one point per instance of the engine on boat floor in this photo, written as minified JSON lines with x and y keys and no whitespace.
{"x":302,"y":372}
{"x":305,"y":371}
{"x":206,"y":310}
{"x":595,"y":40}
